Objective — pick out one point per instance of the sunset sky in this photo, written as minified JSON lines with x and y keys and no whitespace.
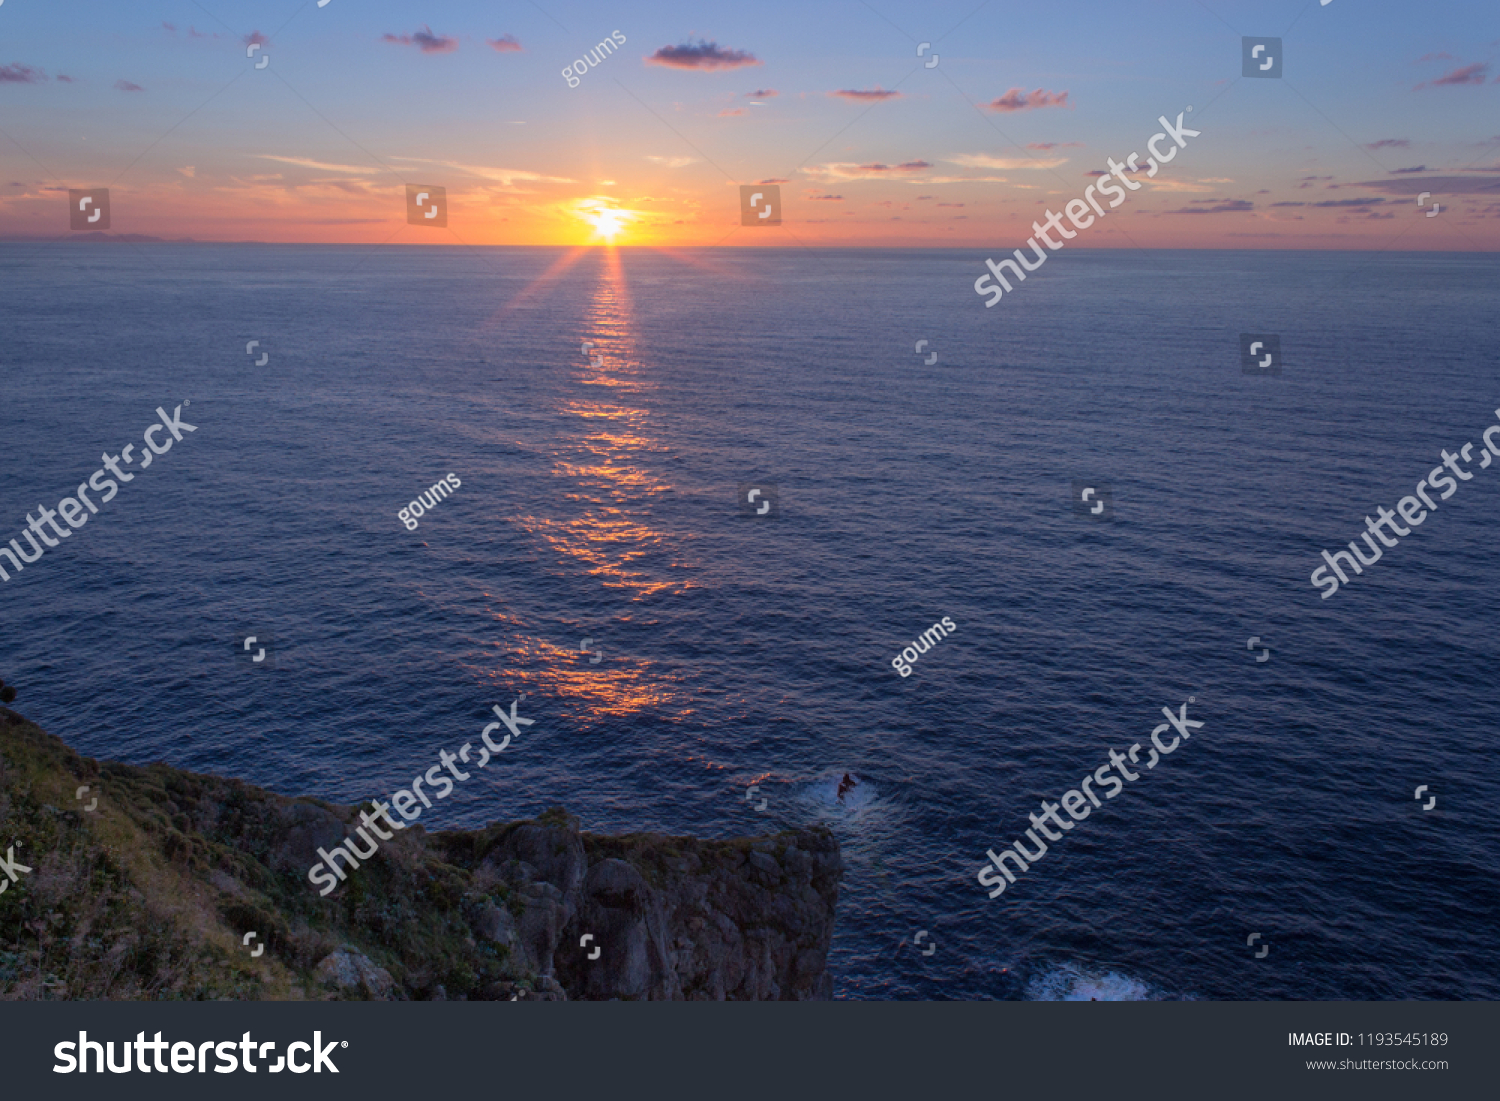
{"x":1380,"y":100}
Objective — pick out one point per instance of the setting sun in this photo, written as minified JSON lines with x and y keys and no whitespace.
{"x":608,"y":221}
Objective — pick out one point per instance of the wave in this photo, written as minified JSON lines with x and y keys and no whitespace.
{"x":1073,"y":983}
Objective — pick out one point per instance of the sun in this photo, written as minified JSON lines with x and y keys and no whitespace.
{"x":608,"y":223}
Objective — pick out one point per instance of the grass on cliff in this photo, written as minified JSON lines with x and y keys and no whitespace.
{"x":148,"y":896}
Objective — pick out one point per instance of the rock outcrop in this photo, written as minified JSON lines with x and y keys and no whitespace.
{"x":156,"y":891}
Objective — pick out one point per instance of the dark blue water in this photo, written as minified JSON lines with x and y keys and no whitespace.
{"x":600,"y":502}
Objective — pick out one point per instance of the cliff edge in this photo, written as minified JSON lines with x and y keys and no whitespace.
{"x":157,"y":883}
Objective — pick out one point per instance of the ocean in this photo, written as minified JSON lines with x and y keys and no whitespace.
{"x":601,"y":499}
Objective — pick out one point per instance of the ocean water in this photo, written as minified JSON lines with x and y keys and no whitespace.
{"x":599,"y":501}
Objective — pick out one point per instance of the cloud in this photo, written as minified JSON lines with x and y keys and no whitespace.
{"x":1437,"y":57}
{"x":1044,"y":145}
{"x":1469,"y":74}
{"x":1017,"y":100}
{"x":764,"y":93}
{"x":1215,"y":206}
{"x":839,"y":171}
{"x":506,"y":43}
{"x":321,"y":166}
{"x":824,"y":198}
{"x":504,"y":176}
{"x":874,"y":95}
{"x":425,"y":40}
{"x":1404,"y":171}
{"x":189,"y":171}
{"x":1438,"y":185}
{"x":1174,"y":183}
{"x":127,"y":86}
{"x":256,"y":38}
{"x":169,"y":27}
{"x":773,"y":181}
{"x":1389,"y":143}
{"x":1346,"y":202}
{"x":671,"y":162}
{"x":708,"y":56}
{"x":733,"y":111}
{"x":21,"y":74}
{"x":951,"y":204}
{"x":980,"y":160}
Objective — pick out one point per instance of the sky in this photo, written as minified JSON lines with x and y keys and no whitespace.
{"x":283,"y":121}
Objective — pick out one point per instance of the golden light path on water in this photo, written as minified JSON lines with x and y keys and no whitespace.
{"x":603,"y":461}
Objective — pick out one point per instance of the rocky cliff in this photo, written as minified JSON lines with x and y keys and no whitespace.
{"x":150,"y":884}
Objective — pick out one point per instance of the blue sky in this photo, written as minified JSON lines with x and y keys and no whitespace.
{"x":1378,"y":102}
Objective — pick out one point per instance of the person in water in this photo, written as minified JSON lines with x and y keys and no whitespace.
{"x":847,"y":784}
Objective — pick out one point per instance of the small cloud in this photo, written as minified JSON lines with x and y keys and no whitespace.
{"x":189,"y":171}
{"x":952,"y":204}
{"x":874,"y":95}
{"x":919,"y":198}
{"x":1097,"y":172}
{"x":170,"y":27}
{"x":671,"y":162}
{"x":194,"y":32}
{"x":21,"y":74}
{"x":733,"y":111}
{"x":1017,"y":100}
{"x":1404,"y":171}
{"x":1469,"y":74}
{"x":1347,"y":202}
{"x":505,"y":44}
{"x":66,"y":79}
{"x":255,"y":38}
{"x":1215,"y":206}
{"x":424,"y":40}
{"x":1288,"y":204}
{"x":980,"y":160}
{"x":708,"y":56}
{"x":1044,"y":145}
{"x":127,"y":86}
{"x":1389,"y":143}
{"x":824,"y":198}
{"x":1437,"y":57}
{"x":773,"y":181}
{"x":764,"y":93}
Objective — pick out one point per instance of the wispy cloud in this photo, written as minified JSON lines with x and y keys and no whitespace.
{"x":1468,"y":74}
{"x":504,"y":176}
{"x":763,"y":93}
{"x":128,"y":86}
{"x":707,"y":56}
{"x":1044,"y":145}
{"x":733,"y":111}
{"x":671,"y":162}
{"x":321,"y":166}
{"x":21,"y":74}
{"x":424,"y":40}
{"x":255,"y":37}
{"x":981,"y":160}
{"x":846,"y":171}
{"x":1214,"y":206}
{"x":1389,"y":143}
{"x":1018,"y":100}
{"x":874,"y":95}
{"x":505,"y":44}
{"x":1438,"y":185}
